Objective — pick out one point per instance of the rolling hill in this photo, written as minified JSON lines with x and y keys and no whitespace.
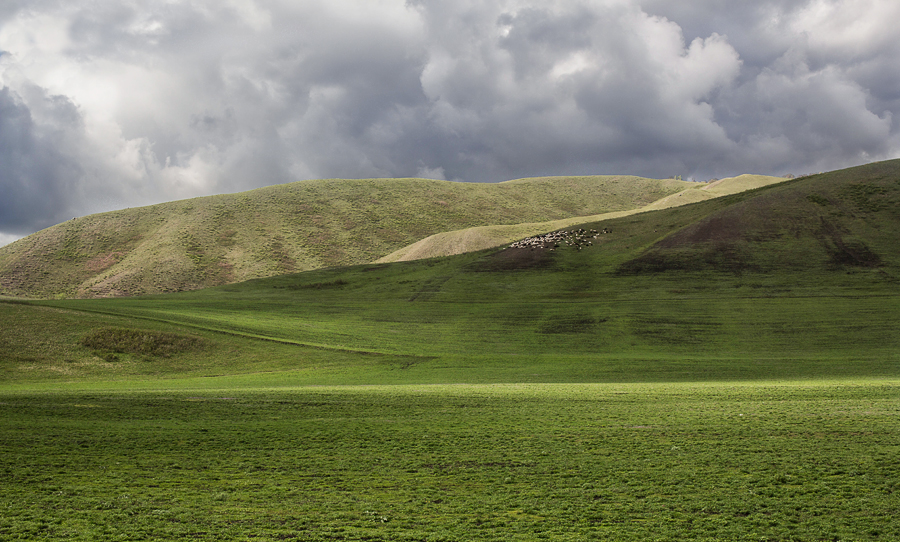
{"x":793,"y":280}
{"x":215,"y":240}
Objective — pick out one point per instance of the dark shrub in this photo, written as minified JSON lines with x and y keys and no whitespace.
{"x":142,"y":342}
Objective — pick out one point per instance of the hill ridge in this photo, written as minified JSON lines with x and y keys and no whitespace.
{"x":214,"y":240}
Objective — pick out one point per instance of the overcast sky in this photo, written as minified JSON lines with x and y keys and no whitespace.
{"x":106,"y":104}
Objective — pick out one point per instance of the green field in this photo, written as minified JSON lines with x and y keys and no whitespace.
{"x":726,"y":370}
{"x":762,"y":461}
{"x":395,"y":328}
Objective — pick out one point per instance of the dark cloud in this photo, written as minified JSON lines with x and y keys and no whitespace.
{"x":35,"y":177}
{"x":110,"y":104}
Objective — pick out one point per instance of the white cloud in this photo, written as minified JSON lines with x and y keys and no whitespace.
{"x":708,"y":64}
{"x":6,"y":239}
{"x":431,"y":173}
{"x":848,"y":28}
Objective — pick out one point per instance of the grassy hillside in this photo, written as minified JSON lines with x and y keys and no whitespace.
{"x":203,"y":242}
{"x":792,"y":280}
{"x":482,"y":237}
{"x":844,"y":221}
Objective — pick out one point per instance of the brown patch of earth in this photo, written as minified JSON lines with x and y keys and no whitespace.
{"x":103,"y":261}
{"x":511,"y":259}
{"x":716,"y":229}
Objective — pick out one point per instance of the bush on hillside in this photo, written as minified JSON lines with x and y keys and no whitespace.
{"x":141,"y":342}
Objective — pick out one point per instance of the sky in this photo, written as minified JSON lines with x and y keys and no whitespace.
{"x":107,"y":104}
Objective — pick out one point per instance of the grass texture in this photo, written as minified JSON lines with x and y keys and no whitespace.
{"x":667,"y":462}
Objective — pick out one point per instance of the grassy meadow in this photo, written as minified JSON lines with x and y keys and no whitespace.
{"x":761,"y":461}
{"x":726,"y":370}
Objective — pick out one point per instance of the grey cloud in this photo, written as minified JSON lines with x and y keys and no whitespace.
{"x":35,"y":177}
{"x":575,"y":101}
{"x":819,"y":120}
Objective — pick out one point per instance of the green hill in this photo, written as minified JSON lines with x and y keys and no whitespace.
{"x":209,"y":241}
{"x":842,"y":221}
{"x":794,"y":280}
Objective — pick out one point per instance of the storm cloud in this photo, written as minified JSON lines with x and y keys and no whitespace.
{"x":109,"y":104}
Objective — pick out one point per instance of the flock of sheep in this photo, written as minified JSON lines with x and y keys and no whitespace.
{"x":573,"y":238}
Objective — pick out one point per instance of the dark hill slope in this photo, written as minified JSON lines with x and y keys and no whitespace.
{"x":203,"y":242}
{"x":843,"y":220}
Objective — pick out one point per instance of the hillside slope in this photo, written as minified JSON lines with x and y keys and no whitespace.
{"x":482,"y":237}
{"x":847,"y":220}
{"x":203,"y":242}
